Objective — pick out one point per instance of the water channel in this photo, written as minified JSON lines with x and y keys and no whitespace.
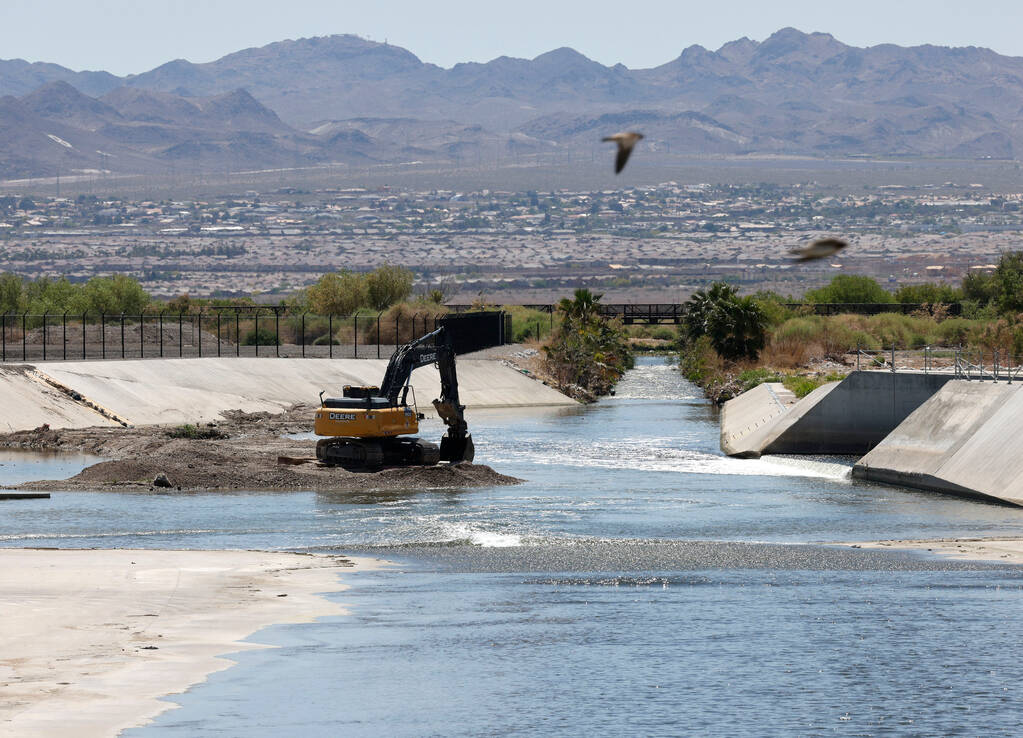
{"x":638,"y":582}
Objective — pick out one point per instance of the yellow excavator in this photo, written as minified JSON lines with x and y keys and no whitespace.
{"x":367,"y":428}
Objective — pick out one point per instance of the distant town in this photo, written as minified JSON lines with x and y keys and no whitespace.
{"x":654,"y":243}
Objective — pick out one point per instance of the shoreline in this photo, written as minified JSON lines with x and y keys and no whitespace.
{"x":1000,"y":549}
{"x":94,"y":640}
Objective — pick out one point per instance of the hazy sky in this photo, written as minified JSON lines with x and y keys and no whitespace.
{"x":123,"y":36}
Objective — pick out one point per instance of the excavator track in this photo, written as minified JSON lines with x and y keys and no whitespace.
{"x":371,"y":455}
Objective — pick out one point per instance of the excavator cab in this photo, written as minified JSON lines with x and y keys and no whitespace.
{"x":365,"y":429}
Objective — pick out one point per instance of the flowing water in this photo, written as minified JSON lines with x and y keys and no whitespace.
{"x":637,"y":583}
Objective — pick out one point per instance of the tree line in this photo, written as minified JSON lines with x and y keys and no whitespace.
{"x":335,"y":293}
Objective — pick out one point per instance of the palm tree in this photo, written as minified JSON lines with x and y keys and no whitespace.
{"x":582,"y":307}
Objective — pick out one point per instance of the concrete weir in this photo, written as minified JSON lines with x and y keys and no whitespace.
{"x":928,"y":431}
{"x":966,"y":440}
{"x":78,"y":394}
{"x":847,"y":417}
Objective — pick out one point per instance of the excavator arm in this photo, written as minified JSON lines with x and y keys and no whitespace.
{"x":433,"y":348}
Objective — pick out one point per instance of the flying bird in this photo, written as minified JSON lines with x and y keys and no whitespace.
{"x":819,"y":249}
{"x":625,"y":140}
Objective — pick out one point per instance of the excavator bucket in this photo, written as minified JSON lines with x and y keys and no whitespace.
{"x":457,"y":449}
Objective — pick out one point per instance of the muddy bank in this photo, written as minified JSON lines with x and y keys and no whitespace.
{"x":241,"y":452}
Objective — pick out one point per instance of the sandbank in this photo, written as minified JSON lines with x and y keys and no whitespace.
{"x":1007,"y":550}
{"x":91,"y":639}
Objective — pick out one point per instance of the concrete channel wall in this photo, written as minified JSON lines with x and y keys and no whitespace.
{"x":847,"y":417}
{"x":928,"y":431}
{"x":967,"y":440}
{"x":149,"y":392}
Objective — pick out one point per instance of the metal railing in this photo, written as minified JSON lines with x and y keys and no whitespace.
{"x":272,"y":331}
{"x":970,"y":363}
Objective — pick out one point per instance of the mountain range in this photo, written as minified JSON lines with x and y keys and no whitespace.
{"x":343,"y":99}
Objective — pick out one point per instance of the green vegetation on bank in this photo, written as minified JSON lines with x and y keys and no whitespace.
{"x":727,"y":355}
{"x":115,"y":294}
{"x":587,"y":354}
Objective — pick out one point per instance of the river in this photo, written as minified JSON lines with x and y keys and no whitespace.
{"x":637,"y":583}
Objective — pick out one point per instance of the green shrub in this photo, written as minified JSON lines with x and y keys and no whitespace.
{"x":526,"y":323}
{"x":929,"y":293}
{"x":772,"y":306}
{"x":265,"y":336}
{"x":801,"y":386}
{"x":699,"y":362}
{"x":850,"y":288}
{"x":750,"y":378}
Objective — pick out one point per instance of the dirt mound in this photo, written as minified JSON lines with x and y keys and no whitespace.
{"x":207,"y":472}
{"x":242,"y":456}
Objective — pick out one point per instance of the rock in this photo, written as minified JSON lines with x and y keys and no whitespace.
{"x":162,"y":481}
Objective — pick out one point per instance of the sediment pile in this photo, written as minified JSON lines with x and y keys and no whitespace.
{"x":241,"y":452}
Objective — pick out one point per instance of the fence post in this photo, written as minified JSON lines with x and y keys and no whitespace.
{"x":3,"y":335}
{"x":277,"y":330}
{"x":893,"y":357}
{"x":302,"y":336}
{"x":257,"y":331}
{"x":355,"y":334}
{"x":330,"y":336}
{"x":24,"y":336}
{"x":198,"y":322}
{"x":45,"y":314}
{"x":237,"y":333}
{"x":396,"y":341}
{"x":857,"y":356}
{"x":161,"y":332}
{"x":218,"y":334}
{"x":122,"y":335}
{"x":181,"y":331}
{"x":63,"y":338}
{"x":142,"y":336}
{"x":85,"y":316}
{"x":995,"y":369}
{"x":378,"y":332}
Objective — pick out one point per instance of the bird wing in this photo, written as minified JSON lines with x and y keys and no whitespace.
{"x":623,"y":156}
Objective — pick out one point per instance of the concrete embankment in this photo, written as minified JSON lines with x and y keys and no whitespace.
{"x":87,"y":393}
{"x":847,"y":417}
{"x":967,"y":439}
{"x":928,"y":431}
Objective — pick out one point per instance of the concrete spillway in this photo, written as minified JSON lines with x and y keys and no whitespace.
{"x":967,"y":439}
{"x":928,"y":431}
{"x":847,"y":417}
{"x":87,"y":393}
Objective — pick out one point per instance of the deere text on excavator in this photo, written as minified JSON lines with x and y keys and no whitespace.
{"x":367,"y":428}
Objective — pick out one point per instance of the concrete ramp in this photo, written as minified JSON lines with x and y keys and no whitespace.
{"x":847,"y":417}
{"x":967,"y":439}
{"x":748,"y":421}
{"x":149,"y":392}
{"x":28,"y":401}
